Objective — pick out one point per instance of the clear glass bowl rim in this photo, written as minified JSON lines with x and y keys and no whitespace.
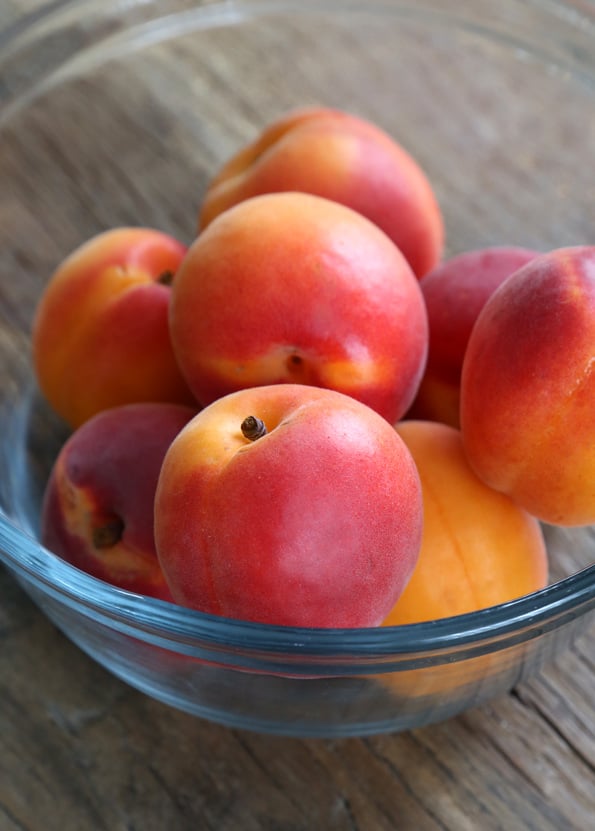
{"x":174,"y":625}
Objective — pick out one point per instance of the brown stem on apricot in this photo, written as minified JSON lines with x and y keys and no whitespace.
{"x":253,"y":428}
{"x":295,"y":361}
{"x":166,"y":278}
{"x":108,"y":534}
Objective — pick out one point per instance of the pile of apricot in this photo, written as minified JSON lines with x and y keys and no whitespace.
{"x":308,"y":416}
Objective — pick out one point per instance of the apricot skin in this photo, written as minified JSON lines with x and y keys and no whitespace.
{"x":317,"y":523}
{"x":455,"y":292}
{"x":528,"y":388}
{"x":478,"y":547}
{"x":345,"y":158}
{"x":294,"y":288}
{"x":101,"y":332}
{"x":98,"y":504}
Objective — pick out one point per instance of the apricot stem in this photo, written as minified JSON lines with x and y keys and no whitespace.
{"x":166,"y":278}
{"x":108,"y":534}
{"x":253,"y":428}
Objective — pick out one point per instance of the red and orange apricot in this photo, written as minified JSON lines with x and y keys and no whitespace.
{"x":345,"y":158}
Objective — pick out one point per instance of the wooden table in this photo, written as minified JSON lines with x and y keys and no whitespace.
{"x":81,"y":750}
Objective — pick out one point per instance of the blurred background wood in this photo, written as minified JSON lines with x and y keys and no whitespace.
{"x":81,"y":750}
{"x":13,"y":10}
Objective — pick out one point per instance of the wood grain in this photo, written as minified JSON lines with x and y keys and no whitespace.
{"x":81,"y":750}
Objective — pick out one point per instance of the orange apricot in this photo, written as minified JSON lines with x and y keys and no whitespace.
{"x":478,"y":548}
{"x":337,"y":155}
{"x":101,"y":332}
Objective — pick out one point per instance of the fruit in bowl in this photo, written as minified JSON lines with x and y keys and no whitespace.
{"x":291,"y":505}
{"x":97,"y":510}
{"x":101,"y":334}
{"x":479,"y":548}
{"x":295,"y":288}
{"x":342,"y":157}
{"x":455,"y":292}
{"x":528,"y":388}
{"x":167,"y":123}
{"x":301,"y":327}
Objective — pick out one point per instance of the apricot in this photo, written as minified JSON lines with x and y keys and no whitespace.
{"x":528,"y":388}
{"x":294,"y":288}
{"x":345,"y":158}
{"x":101,"y":332}
{"x":97,"y":511}
{"x":455,"y":292}
{"x":290,"y":505}
{"x":478,"y":547}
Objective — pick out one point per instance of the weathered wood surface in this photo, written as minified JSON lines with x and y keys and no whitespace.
{"x":81,"y":750}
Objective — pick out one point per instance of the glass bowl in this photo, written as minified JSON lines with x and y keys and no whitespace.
{"x":115,"y":112}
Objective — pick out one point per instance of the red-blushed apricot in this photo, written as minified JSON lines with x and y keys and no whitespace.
{"x":528,"y":388}
{"x":98,"y":504}
{"x":101,"y":332}
{"x":289,"y":505}
{"x":455,"y":292}
{"x":345,"y":158}
{"x":294,"y":288}
{"x":478,"y":547}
